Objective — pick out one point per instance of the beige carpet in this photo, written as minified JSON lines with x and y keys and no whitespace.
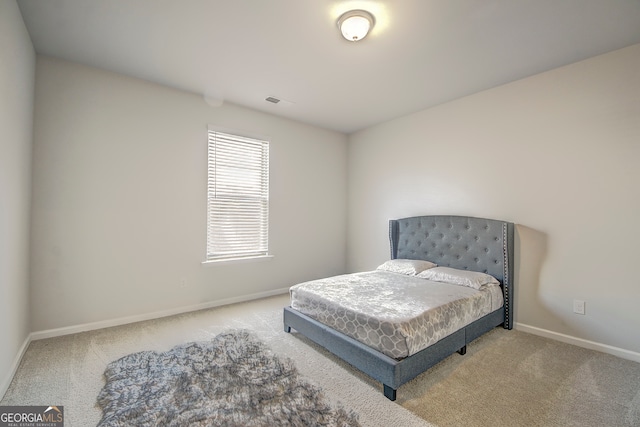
{"x":507,"y":378}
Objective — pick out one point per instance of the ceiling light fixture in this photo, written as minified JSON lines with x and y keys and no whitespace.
{"x":355,"y":24}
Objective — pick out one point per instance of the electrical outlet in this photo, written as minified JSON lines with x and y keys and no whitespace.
{"x":578,"y":306}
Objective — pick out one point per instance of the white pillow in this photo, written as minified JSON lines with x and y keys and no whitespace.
{"x":410,"y":267}
{"x":472,"y":279}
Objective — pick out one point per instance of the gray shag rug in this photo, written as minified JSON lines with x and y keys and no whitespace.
{"x":232,"y":380}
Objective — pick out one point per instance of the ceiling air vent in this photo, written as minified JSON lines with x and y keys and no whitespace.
{"x":272,"y":99}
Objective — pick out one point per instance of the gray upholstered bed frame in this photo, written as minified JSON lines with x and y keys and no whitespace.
{"x":469,"y":243}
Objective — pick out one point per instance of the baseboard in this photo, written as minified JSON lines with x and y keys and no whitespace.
{"x":6,"y":382}
{"x":592,"y":345}
{"x":50,"y":333}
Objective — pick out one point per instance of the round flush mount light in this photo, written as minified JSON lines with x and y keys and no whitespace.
{"x":355,"y":24}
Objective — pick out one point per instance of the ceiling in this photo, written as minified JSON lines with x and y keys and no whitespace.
{"x":420,"y":53}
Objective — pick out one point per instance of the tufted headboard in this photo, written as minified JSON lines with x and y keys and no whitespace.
{"x":462,"y":242}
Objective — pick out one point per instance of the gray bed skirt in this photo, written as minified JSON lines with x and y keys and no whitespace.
{"x":390,"y":372}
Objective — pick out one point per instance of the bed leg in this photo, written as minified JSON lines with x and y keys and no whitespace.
{"x":389,"y":392}
{"x":287,"y":328}
{"x":463,"y":350}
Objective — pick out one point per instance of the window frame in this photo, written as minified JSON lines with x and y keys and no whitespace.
{"x":253,"y":196}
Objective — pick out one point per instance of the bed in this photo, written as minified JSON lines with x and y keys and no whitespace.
{"x":466,"y":244}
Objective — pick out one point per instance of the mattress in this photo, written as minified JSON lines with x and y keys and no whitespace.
{"x":393,"y":313}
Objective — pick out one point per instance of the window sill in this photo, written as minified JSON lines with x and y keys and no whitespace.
{"x":259,"y":258}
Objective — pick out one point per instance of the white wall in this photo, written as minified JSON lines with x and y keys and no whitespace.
{"x":17,"y":71}
{"x":556,"y":153}
{"x":119,"y":211}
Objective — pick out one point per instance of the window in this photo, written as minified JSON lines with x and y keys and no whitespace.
{"x":238,"y":196}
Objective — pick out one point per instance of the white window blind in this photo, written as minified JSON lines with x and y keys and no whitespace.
{"x":238,"y":196}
